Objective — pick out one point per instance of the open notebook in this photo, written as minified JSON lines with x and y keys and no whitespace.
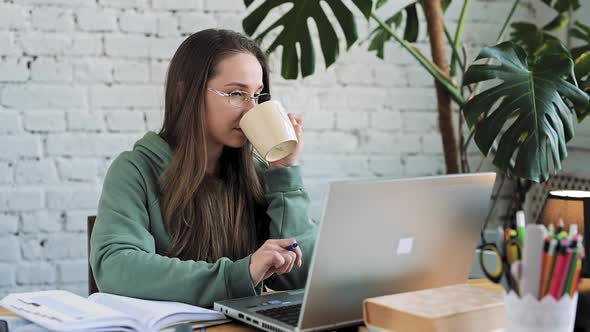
{"x":64,"y":311}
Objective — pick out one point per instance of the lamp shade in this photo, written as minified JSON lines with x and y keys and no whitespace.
{"x":573,"y":207}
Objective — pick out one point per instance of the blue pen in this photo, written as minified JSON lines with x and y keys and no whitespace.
{"x":292,"y":247}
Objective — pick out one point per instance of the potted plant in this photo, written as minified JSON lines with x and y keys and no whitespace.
{"x":524,"y":121}
{"x":542,"y":88}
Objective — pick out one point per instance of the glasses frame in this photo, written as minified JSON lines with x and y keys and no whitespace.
{"x":245,"y":99}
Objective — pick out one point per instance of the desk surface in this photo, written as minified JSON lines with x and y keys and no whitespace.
{"x":237,"y":327}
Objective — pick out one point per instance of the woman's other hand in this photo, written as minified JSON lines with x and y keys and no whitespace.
{"x":272,"y":257}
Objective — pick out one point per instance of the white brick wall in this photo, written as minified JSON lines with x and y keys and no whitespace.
{"x":45,"y":43}
{"x":131,"y":72}
{"x":8,"y":223}
{"x":9,"y":122}
{"x":9,"y":248}
{"x":81,"y":80}
{"x":41,"y":222}
{"x":52,"y":19}
{"x":36,"y":96}
{"x":92,"y":19}
{"x":6,"y":275}
{"x":131,"y":21}
{"x":19,"y":146}
{"x":21,"y":199}
{"x":125,"y":121}
{"x":85,"y":122}
{"x":13,"y":70}
{"x":49,"y":70}
{"x":12,"y":17}
{"x":36,"y":172}
{"x":72,"y":271}
{"x":35,"y":273}
{"x":47,"y":121}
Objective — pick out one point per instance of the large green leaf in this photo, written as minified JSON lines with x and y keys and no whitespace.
{"x":527,"y":35}
{"x":531,"y":108}
{"x":582,"y":32}
{"x":559,"y":22}
{"x":531,"y":38}
{"x":445,"y":4}
{"x":563,"y":5}
{"x":412,"y":25}
{"x":295,"y":31}
{"x":582,"y":65}
{"x":380,"y":3}
{"x":380,"y":36}
{"x":411,"y":28}
{"x":582,"y":71}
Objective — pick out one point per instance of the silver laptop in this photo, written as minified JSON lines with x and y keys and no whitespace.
{"x":378,"y":237}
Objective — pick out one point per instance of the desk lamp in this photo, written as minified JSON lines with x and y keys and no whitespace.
{"x":573,"y":207}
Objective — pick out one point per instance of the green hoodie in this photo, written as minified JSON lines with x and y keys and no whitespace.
{"x":129,"y":238}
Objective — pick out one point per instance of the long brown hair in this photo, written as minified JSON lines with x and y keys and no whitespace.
{"x":208,"y":217}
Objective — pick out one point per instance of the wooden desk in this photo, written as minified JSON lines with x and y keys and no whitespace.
{"x":237,"y":327}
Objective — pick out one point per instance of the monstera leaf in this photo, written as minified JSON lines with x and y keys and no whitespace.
{"x":582,"y":65}
{"x":582,"y":71}
{"x":582,"y":32}
{"x":530,"y":37}
{"x":563,"y":5}
{"x":296,"y":31}
{"x":527,"y":35}
{"x":379,"y":36}
{"x":559,"y":22}
{"x":532,"y":109}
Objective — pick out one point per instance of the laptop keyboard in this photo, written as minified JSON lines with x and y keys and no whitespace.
{"x":287,"y":314}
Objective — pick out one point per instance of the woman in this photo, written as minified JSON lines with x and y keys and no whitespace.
{"x":188,"y":215}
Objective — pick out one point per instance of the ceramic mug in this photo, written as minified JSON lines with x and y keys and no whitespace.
{"x":270,"y":131}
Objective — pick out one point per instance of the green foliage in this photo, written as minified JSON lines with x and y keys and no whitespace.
{"x":563,"y":5}
{"x":581,"y":32}
{"x":380,"y":36}
{"x":531,"y":38}
{"x":541,"y":88}
{"x":527,"y":35}
{"x":582,"y":71}
{"x":531,"y":108}
{"x":295,"y":31}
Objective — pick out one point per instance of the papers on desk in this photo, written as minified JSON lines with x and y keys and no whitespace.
{"x":64,"y":311}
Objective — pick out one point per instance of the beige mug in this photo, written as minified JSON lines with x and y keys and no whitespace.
{"x":269,"y":129}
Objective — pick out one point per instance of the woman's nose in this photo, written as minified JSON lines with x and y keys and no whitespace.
{"x":251,"y":102}
{"x":248,"y":105}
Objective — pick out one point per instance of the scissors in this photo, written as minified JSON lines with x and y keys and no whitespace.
{"x":510,"y":253}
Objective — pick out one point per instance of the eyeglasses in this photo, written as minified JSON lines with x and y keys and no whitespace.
{"x":238,"y":98}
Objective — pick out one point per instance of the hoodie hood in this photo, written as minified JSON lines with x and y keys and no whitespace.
{"x":155,"y":149}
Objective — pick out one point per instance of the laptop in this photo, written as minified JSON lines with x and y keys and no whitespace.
{"x":378,"y":237}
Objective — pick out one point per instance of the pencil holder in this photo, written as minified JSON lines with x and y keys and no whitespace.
{"x":528,"y":314}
